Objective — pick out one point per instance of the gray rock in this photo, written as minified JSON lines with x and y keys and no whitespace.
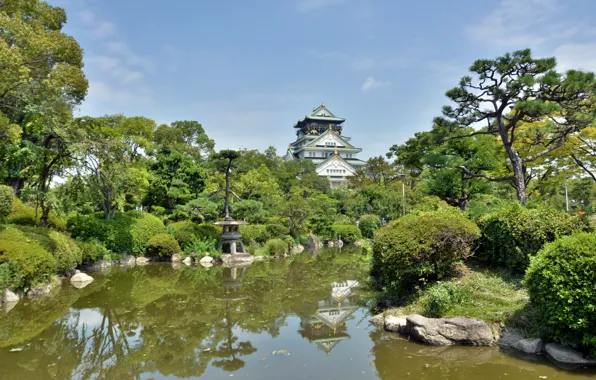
{"x":509,"y":337}
{"x":176,"y":258}
{"x":330,"y":244}
{"x":237,"y":258}
{"x":259,"y":258}
{"x":339,"y":243}
{"x":128,"y":260}
{"x":396,"y":324}
{"x":142,"y":260}
{"x":77,"y":271}
{"x":103,"y":264}
{"x":206,"y":259}
{"x":81,"y":280}
{"x":529,"y":346}
{"x":566,"y":355}
{"x":297,"y":249}
{"x":175,"y":265}
{"x":40,"y":290}
{"x":9,"y":297}
{"x":378,"y":320}
{"x":313,"y":242}
{"x":187,"y":260}
{"x":449,"y":331}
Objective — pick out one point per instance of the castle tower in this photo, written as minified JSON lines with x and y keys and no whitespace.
{"x":319,"y":138}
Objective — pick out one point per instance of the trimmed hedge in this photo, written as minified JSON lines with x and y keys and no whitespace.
{"x":561,"y":282}
{"x":418,"y":248}
{"x":348,"y":233}
{"x":276,"y":247}
{"x":6,"y":201}
{"x":163,"y":246}
{"x":254,"y":234}
{"x":24,"y":264}
{"x":24,"y":215}
{"x":369,"y":224}
{"x":186,"y":231}
{"x":128,"y":232}
{"x":512,"y":235}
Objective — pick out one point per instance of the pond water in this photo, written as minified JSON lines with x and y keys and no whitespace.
{"x":300,"y":318}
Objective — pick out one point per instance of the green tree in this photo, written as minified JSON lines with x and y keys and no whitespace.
{"x":187,"y":137}
{"x":507,"y":92}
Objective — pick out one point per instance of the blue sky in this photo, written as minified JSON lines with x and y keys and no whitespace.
{"x":248,"y":70}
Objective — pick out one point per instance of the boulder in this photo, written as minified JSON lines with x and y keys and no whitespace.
{"x":40,"y":290}
{"x":142,"y":260}
{"x":9,"y":297}
{"x":206,"y":259}
{"x":330,"y":244}
{"x":103,"y":264}
{"x":509,"y":337}
{"x":176,"y":258}
{"x":313,"y":242}
{"x":566,"y":355}
{"x":378,"y":320}
{"x":449,"y":331}
{"x":175,"y":265}
{"x":206,"y":265}
{"x":80,"y":280}
{"x":128,"y":260}
{"x":297,"y":249}
{"x":529,"y":346}
{"x":339,"y":243}
{"x":396,"y":324}
{"x":187,"y":260}
{"x":237,"y":258}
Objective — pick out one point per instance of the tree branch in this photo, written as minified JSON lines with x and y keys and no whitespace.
{"x":480,"y":175}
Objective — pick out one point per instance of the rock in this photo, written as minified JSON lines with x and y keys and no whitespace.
{"x":81,"y":280}
{"x":330,"y":244}
{"x":449,"y":331}
{"x":297,"y":249}
{"x":509,"y":337}
{"x":128,"y":260}
{"x":176,"y":258}
{"x":175,"y":265}
{"x":529,"y":346}
{"x":566,"y":355}
{"x":378,"y":320}
{"x":358,"y":244}
{"x":206,"y":265}
{"x":396,"y":324}
{"x":142,"y":260}
{"x":77,"y":271}
{"x":339,"y":243}
{"x":187,"y":260}
{"x":103,"y":264}
{"x":237,"y":258}
{"x":206,"y":259}
{"x":313,"y":242}
{"x":9,"y":297}
{"x":259,"y":258}
{"x":40,"y":290}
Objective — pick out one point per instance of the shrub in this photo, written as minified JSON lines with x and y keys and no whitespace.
{"x":276,"y":247}
{"x":348,"y":233}
{"x":201,"y":246}
{"x":185,"y":232}
{"x":513,"y":234}
{"x":6,"y":201}
{"x":369,"y":224}
{"x":92,"y":251}
{"x":27,"y":260}
{"x":21,"y":214}
{"x":254,"y":233}
{"x":11,"y":276}
{"x":86,"y":227}
{"x":277,"y":230}
{"x":560,"y":281}
{"x":442,"y":297}
{"x":208,"y":231}
{"x":418,"y":248}
{"x":163,"y":246}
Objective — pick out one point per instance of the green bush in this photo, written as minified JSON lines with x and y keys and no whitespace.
{"x":208,"y":231}
{"x":11,"y":276}
{"x":186,"y":231}
{"x":92,"y":251}
{"x":6,"y":201}
{"x":26,"y":260}
{"x":276,"y":247}
{"x":561,"y":282}
{"x":24,"y":215}
{"x":369,"y":224}
{"x":513,"y":234}
{"x":202,"y":245}
{"x":128,"y":232}
{"x":442,"y":297}
{"x":277,"y":230}
{"x":348,"y":233}
{"x":254,"y":233}
{"x":417,"y":248}
{"x":163,"y":246}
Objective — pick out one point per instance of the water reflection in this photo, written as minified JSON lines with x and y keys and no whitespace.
{"x":327,"y":327}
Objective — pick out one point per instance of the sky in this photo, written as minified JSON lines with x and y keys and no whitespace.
{"x":248,"y":70}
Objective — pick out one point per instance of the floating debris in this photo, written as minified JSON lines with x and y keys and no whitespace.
{"x":17,"y":349}
{"x":280,"y":352}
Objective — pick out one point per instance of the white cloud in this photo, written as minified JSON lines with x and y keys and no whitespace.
{"x":521,"y":24}
{"x":311,"y":5}
{"x":371,"y":83}
{"x":102,"y":92}
{"x":576,"y":56}
{"x":115,"y":68}
{"x":99,"y":28}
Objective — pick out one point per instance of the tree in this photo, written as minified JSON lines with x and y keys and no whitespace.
{"x":185,"y":136}
{"x":224,"y":161}
{"x":506,"y":92}
{"x":582,"y":149}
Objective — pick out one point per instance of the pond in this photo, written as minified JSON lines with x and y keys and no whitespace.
{"x":299,"y":318}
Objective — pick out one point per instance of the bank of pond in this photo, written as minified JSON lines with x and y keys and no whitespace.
{"x":306,"y":316}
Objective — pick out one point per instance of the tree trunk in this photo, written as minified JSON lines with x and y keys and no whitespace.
{"x":517,"y":164}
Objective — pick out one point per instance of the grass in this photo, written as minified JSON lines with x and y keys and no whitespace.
{"x":475,"y":292}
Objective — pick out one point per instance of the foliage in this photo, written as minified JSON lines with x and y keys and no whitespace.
{"x":276,"y":247}
{"x":202,"y":245}
{"x":6,"y":201}
{"x":163,"y":246}
{"x":369,"y":224}
{"x":513,"y":234}
{"x":560,"y":281}
{"x":442,"y":297}
{"x":92,"y":251}
{"x":254,"y":233}
{"x":418,"y":248}
{"x":185,"y":232}
{"x":277,"y":230}
{"x":27,"y":261}
{"x":348,"y":233}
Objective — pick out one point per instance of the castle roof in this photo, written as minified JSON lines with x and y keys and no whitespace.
{"x":321,"y":113}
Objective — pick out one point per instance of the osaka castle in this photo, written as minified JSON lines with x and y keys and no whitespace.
{"x":319,"y":137}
